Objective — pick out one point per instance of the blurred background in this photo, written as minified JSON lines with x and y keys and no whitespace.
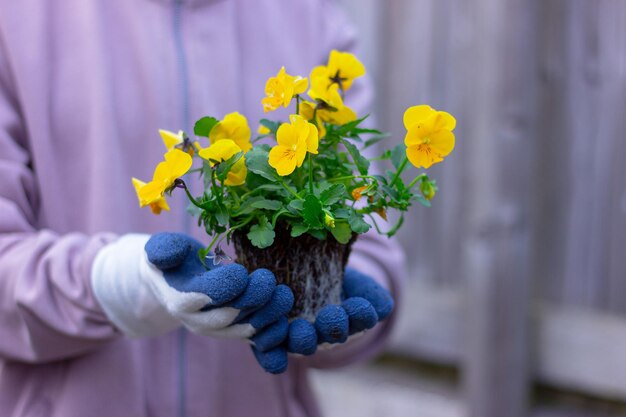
{"x":517,"y":298}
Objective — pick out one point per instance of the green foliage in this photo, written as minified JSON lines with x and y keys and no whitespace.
{"x":262,"y":234}
{"x":317,"y":198}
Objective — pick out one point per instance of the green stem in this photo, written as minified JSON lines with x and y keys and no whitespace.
{"x":400,"y":169}
{"x":351,"y":177}
{"x":219,"y":194}
{"x":314,"y":118}
{"x":288,"y":188}
{"x":310,"y":173}
{"x":191,"y":198}
{"x":418,"y":178}
{"x":297,"y":103}
{"x":212,"y":243}
{"x":380,"y":232}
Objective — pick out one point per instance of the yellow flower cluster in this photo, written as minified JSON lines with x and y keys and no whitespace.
{"x":328,"y":84}
{"x":228,"y":137}
{"x":429,"y":138}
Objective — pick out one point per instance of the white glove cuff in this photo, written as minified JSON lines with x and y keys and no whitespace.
{"x":124,"y":293}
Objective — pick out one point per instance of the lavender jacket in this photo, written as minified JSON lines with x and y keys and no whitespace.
{"x":84,"y":86}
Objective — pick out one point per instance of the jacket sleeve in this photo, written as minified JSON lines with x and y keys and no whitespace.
{"x":47,"y":310}
{"x":377,"y":256}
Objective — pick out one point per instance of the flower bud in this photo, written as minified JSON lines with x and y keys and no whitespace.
{"x":428,"y":189}
{"x":329,"y":220}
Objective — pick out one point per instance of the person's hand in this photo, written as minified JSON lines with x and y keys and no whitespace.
{"x":149,"y":285}
{"x":365,"y":303}
{"x":221,"y":301}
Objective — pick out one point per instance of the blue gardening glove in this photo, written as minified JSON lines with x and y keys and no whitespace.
{"x":148,"y":285}
{"x":365,"y":303}
{"x":221,"y":301}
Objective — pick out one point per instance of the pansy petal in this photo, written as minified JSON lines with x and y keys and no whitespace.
{"x":179,"y":162}
{"x":286,"y":136}
{"x":300,"y":85}
{"x":170,"y":139}
{"x":282,"y":159}
{"x":312,"y":140}
{"x":414,"y":115}
{"x":300,"y":151}
{"x":418,"y":157}
{"x":442,"y":142}
{"x":220,"y":151}
{"x":445,"y":121}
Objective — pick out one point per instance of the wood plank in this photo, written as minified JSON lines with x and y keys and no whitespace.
{"x":575,"y":349}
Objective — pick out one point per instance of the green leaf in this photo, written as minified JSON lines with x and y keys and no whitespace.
{"x":224,"y":168}
{"x":357,"y":224}
{"x":362,"y":163}
{"x":422,"y":200}
{"x":373,"y":141}
{"x":261,"y":235}
{"x":341,"y":213}
{"x":342,"y":232}
{"x":333,"y":194}
{"x":296,"y":204}
{"x":397,"y":155}
{"x":203,"y":126}
{"x":298,"y":229}
{"x":257,"y":162}
{"x":221,"y":215}
{"x":318,"y":233}
{"x":350,"y":126}
{"x":312,"y":211}
{"x":267,"y":204}
{"x":247,"y":206}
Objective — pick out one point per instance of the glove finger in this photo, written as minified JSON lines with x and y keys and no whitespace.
{"x":221,"y":285}
{"x":332,"y":324}
{"x":273,"y":361}
{"x":361,"y":314}
{"x":258,"y":292}
{"x":279,"y":305}
{"x":271,"y":336}
{"x":206,"y":322}
{"x":356,"y":284}
{"x":169,"y":250}
{"x":302,"y":337}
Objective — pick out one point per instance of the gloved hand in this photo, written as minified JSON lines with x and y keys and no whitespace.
{"x":153,"y":290}
{"x":365,"y":303}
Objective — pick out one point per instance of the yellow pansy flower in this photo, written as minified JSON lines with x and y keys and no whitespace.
{"x":429,"y":136}
{"x":235,"y":127}
{"x":176,"y":164}
{"x":280,"y":90}
{"x":156,"y":206}
{"x":221,"y":151}
{"x":294,"y":139}
{"x":342,"y":69}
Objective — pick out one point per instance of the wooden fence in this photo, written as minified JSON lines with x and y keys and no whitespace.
{"x":519,"y":270}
